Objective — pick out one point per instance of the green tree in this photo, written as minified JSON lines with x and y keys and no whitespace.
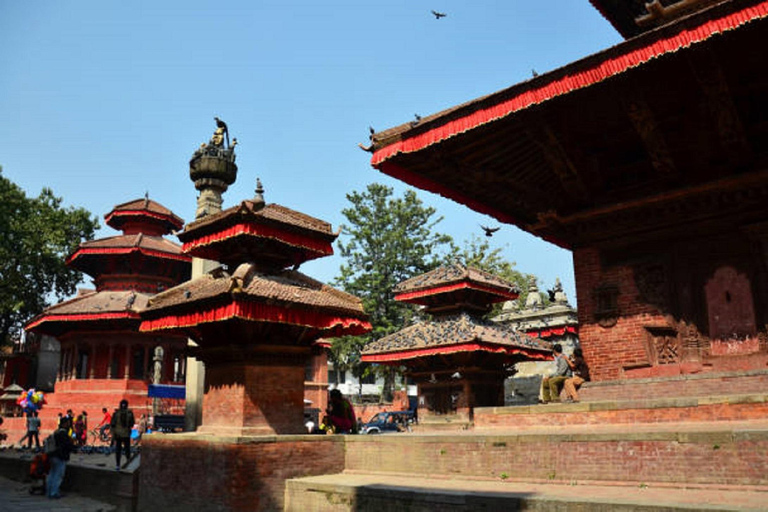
{"x":477,"y":253}
{"x":385,"y":241}
{"x":36,"y":236}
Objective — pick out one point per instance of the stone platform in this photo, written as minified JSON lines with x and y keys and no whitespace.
{"x":360,"y":492}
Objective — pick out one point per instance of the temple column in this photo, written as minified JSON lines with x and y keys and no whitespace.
{"x":127,"y":365}
{"x":92,"y":372}
{"x":110,"y":355}
{"x":75,"y":361}
{"x":146,"y":350}
{"x":68,"y":370}
{"x":60,"y":372}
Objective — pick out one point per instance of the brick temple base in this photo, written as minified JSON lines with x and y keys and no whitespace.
{"x":254,"y":398}
{"x":203,"y":472}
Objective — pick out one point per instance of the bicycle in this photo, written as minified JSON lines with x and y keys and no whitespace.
{"x":101,"y":434}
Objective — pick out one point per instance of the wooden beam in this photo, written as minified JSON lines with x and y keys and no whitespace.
{"x":544,"y":136}
{"x":719,"y":102}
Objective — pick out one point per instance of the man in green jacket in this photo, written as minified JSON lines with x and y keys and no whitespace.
{"x":122,"y":423}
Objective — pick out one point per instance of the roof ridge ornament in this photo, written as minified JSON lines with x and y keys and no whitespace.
{"x":258,"y":199}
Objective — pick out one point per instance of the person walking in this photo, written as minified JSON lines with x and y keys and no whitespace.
{"x":58,"y":458}
{"x":122,"y":423}
{"x":33,"y":430}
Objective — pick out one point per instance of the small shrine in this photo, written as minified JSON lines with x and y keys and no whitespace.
{"x":458,"y":359}
{"x":254,"y":318}
{"x":104,"y":357}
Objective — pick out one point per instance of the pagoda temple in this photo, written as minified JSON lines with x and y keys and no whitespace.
{"x":458,"y":359}
{"x":255,"y":318}
{"x":647,"y":161}
{"x":104,"y":357}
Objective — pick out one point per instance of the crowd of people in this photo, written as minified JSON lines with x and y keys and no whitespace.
{"x":117,"y":431}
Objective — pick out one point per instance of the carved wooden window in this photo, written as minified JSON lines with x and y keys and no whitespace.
{"x":607,"y":305}
{"x":663,"y":345}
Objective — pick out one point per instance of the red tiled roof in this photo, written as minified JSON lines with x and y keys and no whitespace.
{"x":632,"y":53}
{"x":274,"y":214}
{"x":155,"y":246}
{"x":90,"y":307}
{"x":451,"y":334}
{"x":143,"y":208}
{"x":288,"y":287}
{"x":448,"y":277}
{"x":274,"y":235}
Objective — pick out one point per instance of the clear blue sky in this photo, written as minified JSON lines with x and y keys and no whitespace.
{"x":103,"y":101}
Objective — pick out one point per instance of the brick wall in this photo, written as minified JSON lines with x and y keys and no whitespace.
{"x":661,"y":319}
{"x":632,"y":412}
{"x":182,"y":472}
{"x":727,"y":458}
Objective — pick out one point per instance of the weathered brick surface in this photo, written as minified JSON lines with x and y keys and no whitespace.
{"x":695,"y":385}
{"x":621,"y":348}
{"x":184,"y":472}
{"x":713,"y":409}
{"x":243,"y":398}
{"x":710,"y":457}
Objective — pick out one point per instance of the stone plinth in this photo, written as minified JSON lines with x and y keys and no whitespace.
{"x":261,"y":397}
{"x":450,"y":398}
{"x":182,"y":472}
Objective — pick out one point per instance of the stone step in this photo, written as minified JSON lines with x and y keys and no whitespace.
{"x":714,"y":408}
{"x":713,"y":453}
{"x":360,"y":491}
{"x":742,"y":382}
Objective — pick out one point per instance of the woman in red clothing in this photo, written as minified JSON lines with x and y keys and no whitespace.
{"x":341,"y":414}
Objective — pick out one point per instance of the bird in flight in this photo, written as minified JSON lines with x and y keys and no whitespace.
{"x":439,"y":15}
{"x":489,"y":231}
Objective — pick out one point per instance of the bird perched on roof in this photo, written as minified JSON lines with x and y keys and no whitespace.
{"x":416,"y":120}
{"x":368,"y":148}
{"x":439,"y":15}
{"x":489,"y":231}
{"x":221,"y":124}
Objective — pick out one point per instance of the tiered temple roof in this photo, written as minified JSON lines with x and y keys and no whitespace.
{"x":456,"y":286}
{"x":286,"y":297}
{"x":270,"y":234}
{"x":452,"y":292}
{"x":127,"y":269}
{"x":561,"y":180}
{"x":456,"y":333}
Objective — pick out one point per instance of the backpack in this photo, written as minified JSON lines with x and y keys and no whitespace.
{"x":49,"y":445}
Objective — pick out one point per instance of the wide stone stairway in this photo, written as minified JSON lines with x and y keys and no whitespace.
{"x":653,"y":454}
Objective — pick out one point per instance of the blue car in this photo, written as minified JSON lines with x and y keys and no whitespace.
{"x":389,"y":422}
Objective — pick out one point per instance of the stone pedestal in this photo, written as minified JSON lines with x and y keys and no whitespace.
{"x":451,"y":398}
{"x":262,"y":395}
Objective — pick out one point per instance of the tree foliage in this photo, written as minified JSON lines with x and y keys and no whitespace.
{"x":36,"y":236}
{"x":385,"y":241}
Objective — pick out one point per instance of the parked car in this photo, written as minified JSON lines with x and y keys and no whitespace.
{"x":388,"y":422}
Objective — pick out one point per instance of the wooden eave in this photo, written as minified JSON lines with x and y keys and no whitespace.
{"x":675,"y":111}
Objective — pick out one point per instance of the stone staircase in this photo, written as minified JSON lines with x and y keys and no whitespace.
{"x":652,"y":454}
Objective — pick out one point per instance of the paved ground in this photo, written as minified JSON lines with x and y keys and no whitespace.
{"x":15,"y":497}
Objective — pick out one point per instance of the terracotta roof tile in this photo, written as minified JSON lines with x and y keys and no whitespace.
{"x":152,"y":243}
{"x":270,"y":213}
{"x":453,"y":330}
{"x":153,"y":208}
{"x":455,"y":273}
{"x":101,"y":302}
{"x":287,"y":287}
